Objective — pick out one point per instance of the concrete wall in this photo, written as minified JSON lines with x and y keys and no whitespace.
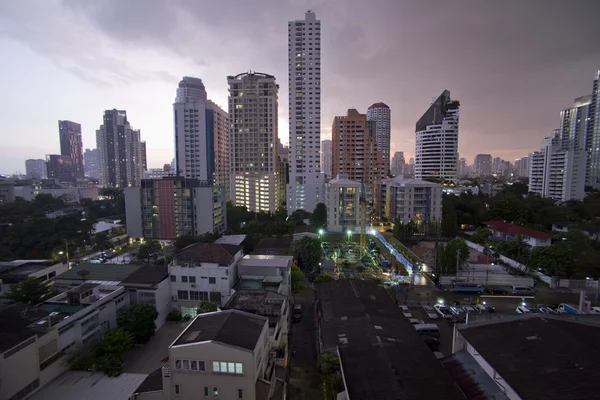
{"x":491,"y":280}
{"x":133,"y":212}
{"x":18,"y":370}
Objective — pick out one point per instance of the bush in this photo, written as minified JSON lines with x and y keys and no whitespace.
{"x":174,"y":316}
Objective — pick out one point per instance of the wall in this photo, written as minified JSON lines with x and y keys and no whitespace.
{"x":491,"y":280}
{"x":224,"y":280}
{"x":18,"y":370}
{"x":163,"y":301}
{"x":133,"y":212}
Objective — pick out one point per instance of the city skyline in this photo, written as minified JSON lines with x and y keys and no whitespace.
{"x":528,"y":81}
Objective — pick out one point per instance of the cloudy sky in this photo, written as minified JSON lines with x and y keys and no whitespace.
{"x":513,"y":64}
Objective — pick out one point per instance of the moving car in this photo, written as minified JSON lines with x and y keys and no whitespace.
{"x":468,"y":288}
{"x":406,"y":311}
{"x":497,"y":290}
{"x":297,"y":313}
{"x":443,"y":311}
{"x":430,"y":311}
{"x":428,"y":330}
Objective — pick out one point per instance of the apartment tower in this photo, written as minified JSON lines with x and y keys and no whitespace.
{"x":483,"y":165}
{"x":71,"y":145}
{"x":305,"y":186}
{"x":380,"y":115}
{"x":592,"y":139}
{"x":326,"y":158}
{"x":90,"y":161}
{"x":253,"y":142}
{"x":436,"y":150}
{"x":398,"y":163}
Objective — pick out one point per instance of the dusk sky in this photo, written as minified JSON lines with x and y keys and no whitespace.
{"x":513,"y":65}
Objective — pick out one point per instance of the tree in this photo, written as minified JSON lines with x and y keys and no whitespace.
{"x":481,"y":235}
{"x":298,"y":217}
{"x":107,"y":356}
{"x":297,"y":279}
{"x":449,"y":225}
{"x":404,"y":232}
{"x":327,"y":365}
{"x":308,"y":253}
{"x":30,"y":291}
{"x":102,"y":242}
{"x":146,"y":251}
{"x":449,"y":254}
{"x":138,"y":319}
{"x":206,"y":306}
{"x":184,"y":241}
{"x":323,"y":277}
{"x":318,"y":218}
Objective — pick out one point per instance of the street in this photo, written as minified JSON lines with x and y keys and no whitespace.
{"x":304,"y":380}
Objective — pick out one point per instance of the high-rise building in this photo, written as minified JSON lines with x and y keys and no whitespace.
{"x":120,"y":151}
{"x":536,"y":172}
{"x":522,"y":167}
{"x":592,"y":138}
{"x":71,"y":145}
{"x":253,"y":142}
{"x":406,"y":200}
{"x":91,"y":163}
{"x":326,"y":158}
{"x":354,"y":150}
{"x":305,"y":188}
{"x":410,"y":167}
{"x":217,"y":129}
{"x":35,"y":169}
{"x":398,"y":163}
{"x":343,"y":204}
{"x":166,"y":208}
{"x":60,"y":168}
{"x":483,"y":165}
{"x":436,"y":150}
{"x":380,"y":114}
{"x":463,"y":169}
{"x":143,"y":155}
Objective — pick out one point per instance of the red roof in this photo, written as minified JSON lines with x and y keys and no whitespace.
{"x":507,"y":228}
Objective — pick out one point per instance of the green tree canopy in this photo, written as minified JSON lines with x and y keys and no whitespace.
{"x":138,"y":319}
{"x":147,"y":250}
{"x":323,"y":277}
{"x":30,"y":291}
{"x":308,"y":253}
{"x":446,"y":255}
{"x":449,"y":225}
{"x":206,"y":306}
{"x":318,"y":218}
{"x":481,"y":235}
{"x":297,"y":279}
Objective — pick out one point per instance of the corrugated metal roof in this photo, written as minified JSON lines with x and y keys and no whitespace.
{"x":75,"y":385}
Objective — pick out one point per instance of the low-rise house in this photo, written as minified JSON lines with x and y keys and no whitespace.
{"x":263,"y":272}
{"x":592,"y":231}
{"x":503,"y":231}
{"x":13,"y":272}
{"x":150,"y":284}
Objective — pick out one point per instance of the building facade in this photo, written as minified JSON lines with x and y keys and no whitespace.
{"x":483,"y":165}
{"x":326,"y":165}
{"x":60,"y":168}
{"x":436,"y":150}
{"x":120,"y":152}
{"x":522,"y":167}
{"x":36,"y":169}
{"x":343,"y":205}
{"x":592,"y":138}
{"x":406,"y":200}
{"x":398,"y":163}
{"x":166,"y":208}
{"x":91,"y":164}
{"x":305,"y":188}
{"x":71,"y":145}
{"x":253,"y":138}
{"x":380,"y":115}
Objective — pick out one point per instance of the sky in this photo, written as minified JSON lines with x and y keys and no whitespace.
{"x":512,"y":64}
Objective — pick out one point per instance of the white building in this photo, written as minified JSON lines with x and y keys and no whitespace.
{"x":203,"y":271}
{"x":504,"y":231}
{"x":406,"y":200}
{"x":343,"y":205}
{"x":436,"y":150}
{"x":13,"y":272}
{"x":270,"y":270}
{"x":255,"y":178}
{"x":522,"y":167}
{"x":150,"y":284}
{"x":536,"y":172}
{"x":380,"y":114}
{"x":305,"y":188}
{"x":326,"y":157}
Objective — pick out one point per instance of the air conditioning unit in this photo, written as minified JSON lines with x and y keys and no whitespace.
{"x":193,"y":285}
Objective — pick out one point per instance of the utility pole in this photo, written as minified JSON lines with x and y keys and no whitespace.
{"x":67,"y":251}
{"x":457,"y":262}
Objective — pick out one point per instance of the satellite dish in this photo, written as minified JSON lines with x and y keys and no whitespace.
{"x":83,"y":273}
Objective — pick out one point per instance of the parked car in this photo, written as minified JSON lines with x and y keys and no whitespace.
{"x":415,"y":321}
{"x":459,"y":312}
{"x":430,"y":311}
{"x":443,"y":311}
{"x":546,"y":309}
{"x":522,"y":291}
{"x":469,"y":309}
{"x":431,"y":342}
{"x":297,"y":313}
{"x":406,"y":311}
{"x":456,"y":319}
{"x":595,"y":310}
{"x":483,"y":308}
{"x":497,"y":290}
{"x":523,"y":310}
{"x":468,"y":288}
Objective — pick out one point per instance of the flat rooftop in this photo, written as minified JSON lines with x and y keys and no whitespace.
{"x":99,"y":272}
{"x":253,"y":300}
{"x":258,"y":260}
{"x":231,"y":327}
{"x":271,"y":283}
{"x":556,"y":357}
{"x":235,"y":240}
{"x":147,"y":275}
{"x":24,"y":267}
{"x":14,"y":324}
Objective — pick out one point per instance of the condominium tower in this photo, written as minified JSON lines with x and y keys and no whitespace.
{"x":71,"y":145}
{"x":436,"y":150}
{"x":305,"y":186}
{"x":592,"y":139}
{"x":253,"y":142}
{"x":483,"y":164}
{"x":91,"y":166}
{"x":380,"y":114}
{"x":35,"y":169}
{"x":326,"y":158}
{"x":398,"y":163}
{"x":120,"y":151}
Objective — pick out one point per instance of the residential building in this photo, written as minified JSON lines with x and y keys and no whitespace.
{"x":60,"y":168}
{"x":410,"y":168}
{"x":7,"y":191}
{"x":522,"y":167}
{"x":265,"y":272}
{"x":361,"y":325}
{"x":35,"y":169}
{"x":536,"y":172}
{"x":483,"y":165}
{"x":120,"y":151}
{"x":84,"y":272}
{"x":406,"y":199}
{"x":279,"y":246}
{"x":70,"y":194}
{"x":71,"y":145}
{"x":436,"y":150}
{"x":217,"y":127}
{"x":159,"y":173}
{"x":592,"y":137}
{"x":343,"y":204}
{"x":166,"y":208}
{"x":253,"y":137}
{"x":485,"y":351}
{"x":150,"y":284}
{"x":355,"y":151}
{"x":462,"y":169}
{"x":380,"y":115}
{"x":326,"y":160}
{"x":305,"y":188}
{"x":13,"y":272}
{"x":203,"y":271}
{"x":91,"y":163}
{"x":503,"y":231}
{"x":398,"y":163}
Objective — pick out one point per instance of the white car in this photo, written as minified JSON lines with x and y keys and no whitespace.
{"x":430,"y":311}
{"x":415,"y":321}
{"x":523,"y":310}
{"x":595,"y":310}
{"x":406,"y":311}
{"x":443,"y":311}
{"x":469,"y":309}
{"x":459,"y":312}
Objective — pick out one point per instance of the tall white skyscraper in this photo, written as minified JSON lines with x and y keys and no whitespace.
{"x":436,"y":150}
{"x":326,"y":150}
{"x":380,"y":114}
{"x":305,"y":187}
{"x":253,"y":142}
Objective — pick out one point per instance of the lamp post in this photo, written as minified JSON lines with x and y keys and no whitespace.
{"x":66,"y":253}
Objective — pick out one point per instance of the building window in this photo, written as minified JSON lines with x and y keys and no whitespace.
{"x":212,"y":281}
{"x":206,"y":391}
{"x":190,"y":365}
{"x":183,"y":295}
{"x":224,"y":367}
{"x":240,"y":393}
{"x":177,"y":389}
{"x":173,"y":278}
{"x":192,"y":279}
{"x":184,"y":279}
{"x":215,"y":392}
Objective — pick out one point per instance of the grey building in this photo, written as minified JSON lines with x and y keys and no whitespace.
{"x":60,"y":168}
{"x":381,"y":115}
{"x":592,"y":139}
{"x":35,"y":169}
{"x":91,"y":164}
{"x":71,"y":145}
{"x":483,"y":165}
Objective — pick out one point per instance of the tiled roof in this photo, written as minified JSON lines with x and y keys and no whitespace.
{"x":511,"y":229}
{"x":208,"y":252}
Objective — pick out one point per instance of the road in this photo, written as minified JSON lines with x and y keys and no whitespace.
{"x":304,"y":382}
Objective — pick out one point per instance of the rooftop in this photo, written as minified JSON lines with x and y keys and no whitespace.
{"x":344,"y":181}
{"x":556,"y":356}
{"x":14,"y":324}
{"x":282,"y":243}
{"x":75,"y":385}
{"x":512,"y":229}
{"x":269,"y":261}
{"x":230,"y":327}
{"x":361,"y":319}
{"x":99,"y":272}
{"x":152,"y":383}
{"x":18,"y":266}
{"x":105,"y":226}
{"x":400,"y":180}
{"x":147,"y":275}
{"x":255,"y":300}
{"x":208,"y":252}
{"x":234,"y":240}
{"x":270,"y":283}
{"x":378,"y":105}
